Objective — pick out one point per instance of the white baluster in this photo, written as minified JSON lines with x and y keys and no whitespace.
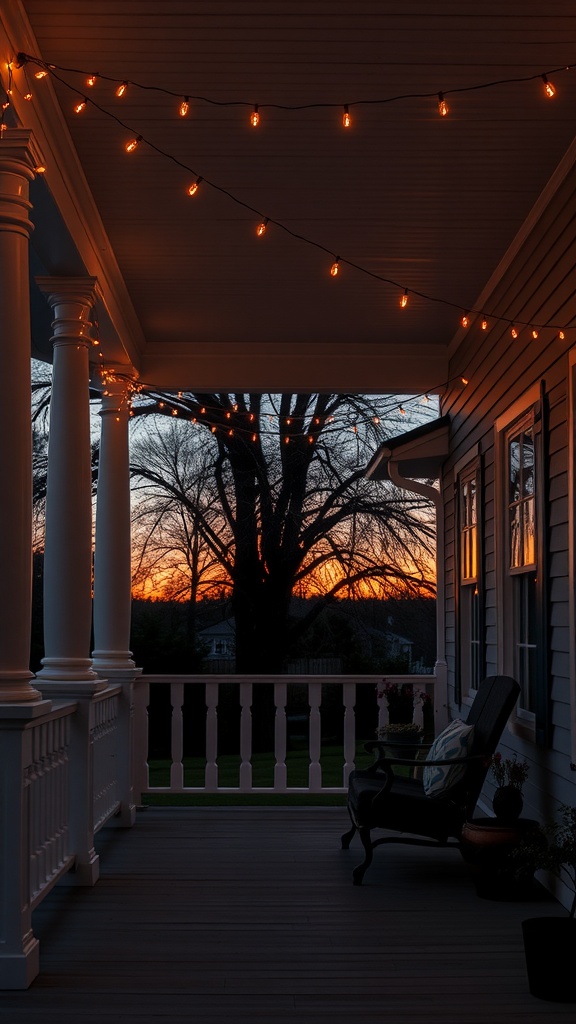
{"x":245,"y":737}
{"x":315,"y":770}
{"x":211,"y":775}
{"x":177,"y":744}
{"x":280,"y":770}
{"x":349,"y":699}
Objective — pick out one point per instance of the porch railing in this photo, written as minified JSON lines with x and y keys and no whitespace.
{"x":163,"y":707}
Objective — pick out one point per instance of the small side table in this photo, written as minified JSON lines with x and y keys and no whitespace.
{"x":486,"y":845}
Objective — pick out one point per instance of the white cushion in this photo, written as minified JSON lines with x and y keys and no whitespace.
{"x":455,"y":742}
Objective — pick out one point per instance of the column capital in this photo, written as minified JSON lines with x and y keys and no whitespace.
{"x":20,"y":153}
{"x":68,"y":291}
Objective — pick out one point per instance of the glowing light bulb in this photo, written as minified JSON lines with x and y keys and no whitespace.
{"x":91,"y":81}
{"x":121,"y":89}
{"x":561,"y":335}
{"x":442,"y":105}
{"x":465,"y":321}
{"x":192,"y":189}
{"x":513,"y":331}
{"x":549,"y":89}
{"x":40,"y":168}
{"x":335,"y":268}
{"x":133,"y":144}
{"x":310,"y":439}
{"x":534,"y":333}
{"x":464,"y":380}
{"x":404,"y":299}
{"x":376,"y":420}
{"x":40,"y":74}
{"x":401,"y":410}
{"x":255,"y":117}
{"x":28,"y":96}
{"x":261,"y":229}
{"x":346,"y":119}
{"x":80,"y":107}
{"x":254,"y":437}
{"x":484,"y":324}
{"x":184,"y":107}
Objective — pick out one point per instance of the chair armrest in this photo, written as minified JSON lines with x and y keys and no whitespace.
{"x":383,"y":762}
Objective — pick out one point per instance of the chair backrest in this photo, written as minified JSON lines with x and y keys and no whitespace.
{"x":488,"y":714}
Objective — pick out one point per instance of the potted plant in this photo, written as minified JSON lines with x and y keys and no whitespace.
{"x":400,"y":700}
{"x":550,"y":942}
{"x":509,"y":774}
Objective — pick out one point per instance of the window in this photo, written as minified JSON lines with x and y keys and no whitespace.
{"x":522,"y":602}
{"x":471,"y":659}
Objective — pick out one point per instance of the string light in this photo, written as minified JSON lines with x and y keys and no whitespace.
{"x":261,"y":229}
{"x":464,"y":380}
{"x":534,"y":333}
{"x":346,"y":119}
{"x":561,"y":335}
{"x":133,"y":144}
{"x":28,"y":96}
{"x":44,"y":69}
{"x":335,"y":268}
{"x":40,"y":169}
{"x":401,"y":410}
{"x":80,"y":106}
{"x":514,"y":331}
{"x":192,"y":189}
{"x":465,"y":321}
{"x":184,"y":107}
{"x":404,"y":299}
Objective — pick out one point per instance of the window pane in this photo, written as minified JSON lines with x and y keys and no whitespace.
{"x":515,"y":537}
{"x":529,"y":532}
{"x":527,"y":463}
{"x":514,"y":451}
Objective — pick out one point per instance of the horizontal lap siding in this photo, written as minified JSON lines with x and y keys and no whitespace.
{"x":537,"y":287}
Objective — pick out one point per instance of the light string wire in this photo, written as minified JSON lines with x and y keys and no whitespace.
{"x":23,"y":58}
{"x":166,"y":403}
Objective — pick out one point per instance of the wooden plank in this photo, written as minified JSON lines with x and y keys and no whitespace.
{"x":249,"y":914}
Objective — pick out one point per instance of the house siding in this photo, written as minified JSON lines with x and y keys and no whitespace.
{"x":535,"y":283}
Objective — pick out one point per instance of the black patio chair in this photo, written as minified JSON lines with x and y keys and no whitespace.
{"x":430,"y":811}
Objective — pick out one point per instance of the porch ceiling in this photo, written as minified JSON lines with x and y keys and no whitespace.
{"x":191,"y":297}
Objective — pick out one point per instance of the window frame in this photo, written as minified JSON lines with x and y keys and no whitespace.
{"x":530,"y":723}
{"x":467,"y":469}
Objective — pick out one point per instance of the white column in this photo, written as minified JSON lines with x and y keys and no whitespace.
{"x":112,"y":561}
{"x":68,"y":544}
{"x":18,"y":158}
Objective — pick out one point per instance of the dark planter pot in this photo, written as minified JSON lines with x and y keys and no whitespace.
{"x":507,"y":803}
{"x":550,"y":948}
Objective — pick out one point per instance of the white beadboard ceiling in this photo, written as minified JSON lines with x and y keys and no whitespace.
{"x":429,"y":203}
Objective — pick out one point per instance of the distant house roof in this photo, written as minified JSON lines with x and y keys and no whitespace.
{"x":418,"y":453}
{"x":219,"y":629}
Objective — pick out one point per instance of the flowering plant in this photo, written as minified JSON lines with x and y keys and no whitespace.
{"x":400,"y":698}
{"x":508,"y":771}
{"x":400,"y":729}
{"x":553,"y":848}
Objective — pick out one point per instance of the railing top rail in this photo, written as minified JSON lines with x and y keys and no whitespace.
{"x":208,"y":677}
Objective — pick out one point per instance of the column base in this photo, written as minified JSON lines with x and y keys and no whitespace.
{"x":16,"y":688}
{"x":19,"y":970}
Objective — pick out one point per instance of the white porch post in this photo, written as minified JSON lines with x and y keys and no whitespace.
{"x":113,"y":577}
{"x":17,"y":162}
{"x":68,"y":545}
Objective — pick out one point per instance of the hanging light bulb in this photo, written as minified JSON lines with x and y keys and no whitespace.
{"x":534,"y":333}
{"x":442,"y":105}
{"x":404,"y":299}
{"x":401,"y":410}
{"x":28,"y":96}
{"x":465,"y":321}
{"x":464,"y":380}
{"x":91,"y":81}
{"x":514,"y":331}
{"x":133,"y":144}
{"x":121,"y":89}
{"x":346,"y":119}
{"x":40,"y":74}
{"x":335,"y":268}
{"x":549,"y":89}
{"x":561,"y":335}
{"x":255,"y":117}
{"x":80,"y":106}
{"x":40,"y":168}
{"x":261,"y":229}
{"x":184,"y":107}
{"x":484,"y":324}
{"x":193,"y":188}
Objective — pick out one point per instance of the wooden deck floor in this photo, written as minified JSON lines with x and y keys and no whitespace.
{"x":237,"y":915}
